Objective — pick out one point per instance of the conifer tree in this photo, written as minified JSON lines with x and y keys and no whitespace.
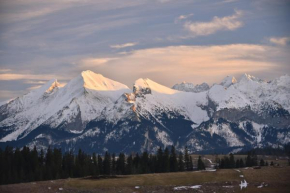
{"x":113,"y":164}
{"x":136,"y":163}
{"x":173,"y":160}
{"x":95,"y":165}
{"x":100,"y":165}
{"x":160,"y":166}
{"x":120,"y":166}
{"x":190,"y":164}
{"x":144,"y":163}
{"x":237,"y":163}
{"x":200,"y":164}
{"x":107,"y":164}
{"x":186,"y":159}
{"x":57,"y":161}
{"x":129,"y":166}
{"x":232,"y":161}
{"x":48,"y":164}
{"x":262,"y":162}
{"x":166,"y":163}
{"x":153,"y":163}
{"x":180,"y":162}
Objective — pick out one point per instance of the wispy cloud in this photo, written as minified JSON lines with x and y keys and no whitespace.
{"x":4,"y":70}
{"x":228,"y":1}
{"x":228,"y":23}
{"x":282,"y":41}
{"x":10,"y":94}
{"x":34,"y":82}
{"x":10,"y":76}
{"x":93,"y":62}
{"x":34,"y":87}
{"x":181,"y":17}
{"x":169,"y":65}
{"x":118,"y":46}
{"x":31,"y":9}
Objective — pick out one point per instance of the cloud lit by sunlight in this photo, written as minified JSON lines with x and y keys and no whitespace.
{"x":173,"y":64}
{"x":228,"y":23}
{"x":282,"y":41}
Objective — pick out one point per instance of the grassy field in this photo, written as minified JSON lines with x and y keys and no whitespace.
{"x":269,"y":179}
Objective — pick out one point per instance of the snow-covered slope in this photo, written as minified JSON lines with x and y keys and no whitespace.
{"x":83,"y":98}
{"x":253,"y":92}
{"x":158,"y":99}
{"x":98,"y":114}
{"x":228,"y":81}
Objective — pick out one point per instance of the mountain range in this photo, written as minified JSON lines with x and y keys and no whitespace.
{"x":97,"y":114}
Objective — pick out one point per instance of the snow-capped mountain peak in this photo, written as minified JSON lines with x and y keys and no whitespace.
{"x":79,"y":101}
{"x":95,"y":81}
{"x":228,"y":81}
{"x":247,"y":77}
{"x":97,"y":114}
{"x":54,"y":85}
{"x":146,"y":86}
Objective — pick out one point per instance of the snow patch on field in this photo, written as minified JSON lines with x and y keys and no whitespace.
{"x":187,"y":187}
{"x":228,"y":186}
{"x":262,"y":185}
{"x":243,"y":184}
{"x":211,"y":170}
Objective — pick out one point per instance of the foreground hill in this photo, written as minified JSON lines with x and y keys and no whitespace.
{"x":98,"y":114}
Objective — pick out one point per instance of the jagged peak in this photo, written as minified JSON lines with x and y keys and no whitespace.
{"x":188,"y":84}
{"x":189,"y":87}
{"x":48,"y":87}
{"x":228,"y":81}
{"x":91,"y":80}
{"x":53,"y":85}
{"x":247,"y":77}
{"x":283,"y":80}
{"x":147,"y":85}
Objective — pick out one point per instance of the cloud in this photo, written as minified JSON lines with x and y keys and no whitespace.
{"x":34,"y":87}
{"x":118,"y":46}
{"x":181,"y":17}
{"x":11,"y":76}
{"x":10,"y":94}
{"x":172,"y":64}
{"x":229,"y":1}
{"x":282,"y":41}
{"x":5,"y":70}
{"x":163,"y":1}
{"x":93,"y":62}
{"x":228,"y":23}
{"x":32,"y":9}
{"x":169,"y":65}
{"x":34,"y":82}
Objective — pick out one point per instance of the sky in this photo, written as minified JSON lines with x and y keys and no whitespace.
{"x":168,"y":41}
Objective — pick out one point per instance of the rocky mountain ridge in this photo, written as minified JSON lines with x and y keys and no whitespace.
{"x":98,"y":114}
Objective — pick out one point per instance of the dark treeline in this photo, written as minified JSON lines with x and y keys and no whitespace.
{"x":228,"y":162}
{"x":27,"y":165}
{"x":280,"y":151}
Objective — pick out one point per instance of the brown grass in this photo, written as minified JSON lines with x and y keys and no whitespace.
{"x":276,"y":178}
